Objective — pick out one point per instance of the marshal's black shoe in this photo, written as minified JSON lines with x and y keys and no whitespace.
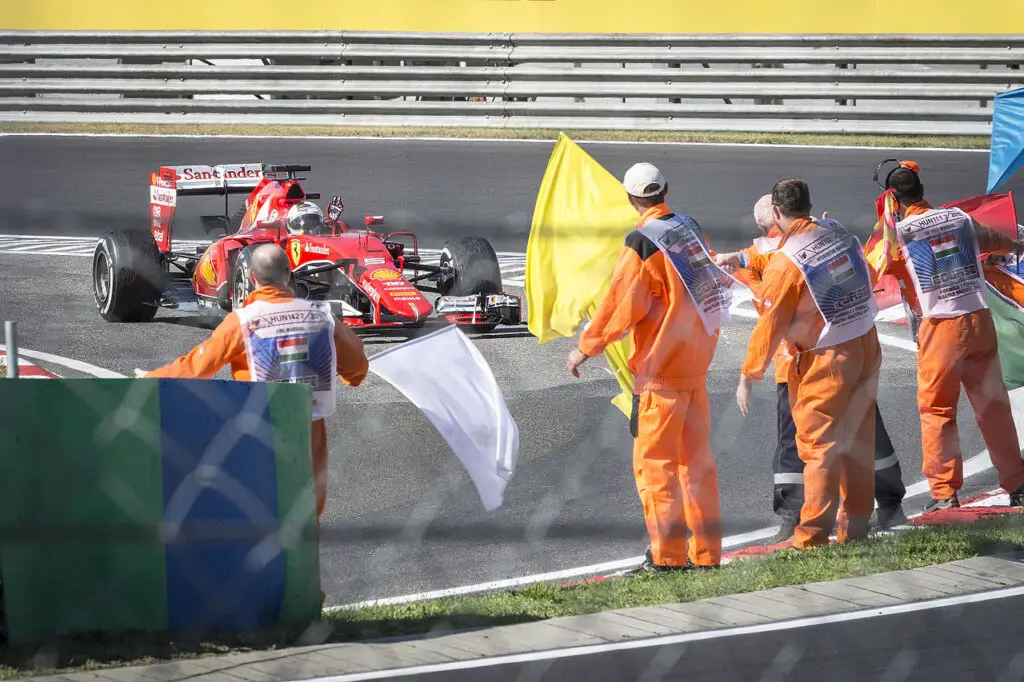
{"x":885,"y":518}
{"x":786,"y":530}
{"x":648,"y":566}
{"x":949,"y":503}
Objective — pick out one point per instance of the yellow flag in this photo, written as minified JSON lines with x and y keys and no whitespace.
{"x":881,"y":247}
{"x":580,"y":220}
{"x":617,"y":354}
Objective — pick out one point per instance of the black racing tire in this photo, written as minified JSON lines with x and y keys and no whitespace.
{"x":241,"y":278}
{"x":474,"y":270}
{"x":474,"y":267}
{"x":127,"y":276}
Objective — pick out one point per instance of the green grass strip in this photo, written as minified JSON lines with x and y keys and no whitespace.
{"x":878,"y":554}
{"x":888,"y":141}
{"x":905,"y":550}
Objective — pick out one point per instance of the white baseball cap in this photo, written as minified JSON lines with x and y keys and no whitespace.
{"x":639,"y":179}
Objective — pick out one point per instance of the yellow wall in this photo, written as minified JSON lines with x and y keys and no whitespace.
{"x":553,"y":16}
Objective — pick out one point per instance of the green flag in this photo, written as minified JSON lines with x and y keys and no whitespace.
{"x":1009,"y":321}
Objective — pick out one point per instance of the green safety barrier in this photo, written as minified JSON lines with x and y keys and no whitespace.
{"x":156,"y":505}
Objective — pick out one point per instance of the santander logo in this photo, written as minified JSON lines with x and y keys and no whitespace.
{"x":199,"y":176}
{"x":313,"y":248}
{"x":162,"y":197}
{"x":208,"y":173}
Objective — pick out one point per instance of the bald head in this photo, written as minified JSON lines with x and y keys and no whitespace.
{"x":270,"y":266}
{"x":763,"y":213}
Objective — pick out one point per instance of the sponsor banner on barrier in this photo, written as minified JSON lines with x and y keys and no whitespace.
{"x":527,"y":16}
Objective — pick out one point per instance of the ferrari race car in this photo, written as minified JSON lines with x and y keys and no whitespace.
{"x":361,"y":272}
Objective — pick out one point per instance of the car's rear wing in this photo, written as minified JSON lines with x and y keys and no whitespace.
{"x":231,"y":178}
{"x":171,"y":181}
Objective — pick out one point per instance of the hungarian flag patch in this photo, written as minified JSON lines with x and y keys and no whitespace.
{"x":841,"y":268}
{"x":293,"y":349}
{"x":944,"y":246}
{"x":696,"y":256}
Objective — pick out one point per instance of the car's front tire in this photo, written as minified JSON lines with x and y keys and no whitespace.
{"x":472,"y":269}
{"x":127,"y":276}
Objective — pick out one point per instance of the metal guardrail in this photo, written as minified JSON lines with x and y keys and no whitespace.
{"x":844,"y":83}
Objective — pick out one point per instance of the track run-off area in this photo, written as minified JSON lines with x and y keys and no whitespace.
{"x":402,"y":518}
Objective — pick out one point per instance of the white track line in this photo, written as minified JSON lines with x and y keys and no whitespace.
{"x":67,"y":250}
{"x":77,"y":365}
{"x":25,"y":248}
{"x":606,"y":567}
{"x":488,"y":140}
{"x":47,"y":238}
{"x":668,"y":640}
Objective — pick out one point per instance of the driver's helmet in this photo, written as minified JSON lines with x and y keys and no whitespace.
{"x":305,"y":217}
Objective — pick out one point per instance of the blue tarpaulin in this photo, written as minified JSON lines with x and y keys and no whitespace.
{"x":1006,"y":152}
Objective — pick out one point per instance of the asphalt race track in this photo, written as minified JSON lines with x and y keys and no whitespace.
{"x":442,"y":189}
{"x":402,"y":517}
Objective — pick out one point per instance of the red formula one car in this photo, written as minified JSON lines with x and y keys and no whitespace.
{"x":362,"y":272}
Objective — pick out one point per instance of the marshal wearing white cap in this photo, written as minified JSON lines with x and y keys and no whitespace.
{"x":670,"y":297}
{"x":680,"y":238}
{"x":644,"y":180}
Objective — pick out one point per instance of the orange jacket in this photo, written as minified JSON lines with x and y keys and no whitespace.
{"x":225,"y":346}
{"x":648,"y":299}
{"x":788,"y":313}
{"x":989,"y":241}
{"x":756,"y":263}
{"x":753,"y":277}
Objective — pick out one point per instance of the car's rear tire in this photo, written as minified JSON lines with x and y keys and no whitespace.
{"x":241,"y":278}
{"x":474,"y":270}
{"x":127,"y":276}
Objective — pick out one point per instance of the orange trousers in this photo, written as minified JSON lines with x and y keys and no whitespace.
{"x":676,"y":476}
{"x":951,"y":352}
{"x":834,"y":413}
{"x":320,"y":465}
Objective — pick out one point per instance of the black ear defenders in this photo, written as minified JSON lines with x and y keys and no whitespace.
{"x":878,"y":170}
{"x":909,"y":165}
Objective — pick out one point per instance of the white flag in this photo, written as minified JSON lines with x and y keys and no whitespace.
{"x":445,"y":376}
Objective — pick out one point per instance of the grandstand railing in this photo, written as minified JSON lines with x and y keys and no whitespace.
{"x":879,"y":84}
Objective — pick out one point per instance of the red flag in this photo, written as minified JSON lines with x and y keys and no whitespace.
{"x":887,"y":292}
{"x":995,"y":211}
